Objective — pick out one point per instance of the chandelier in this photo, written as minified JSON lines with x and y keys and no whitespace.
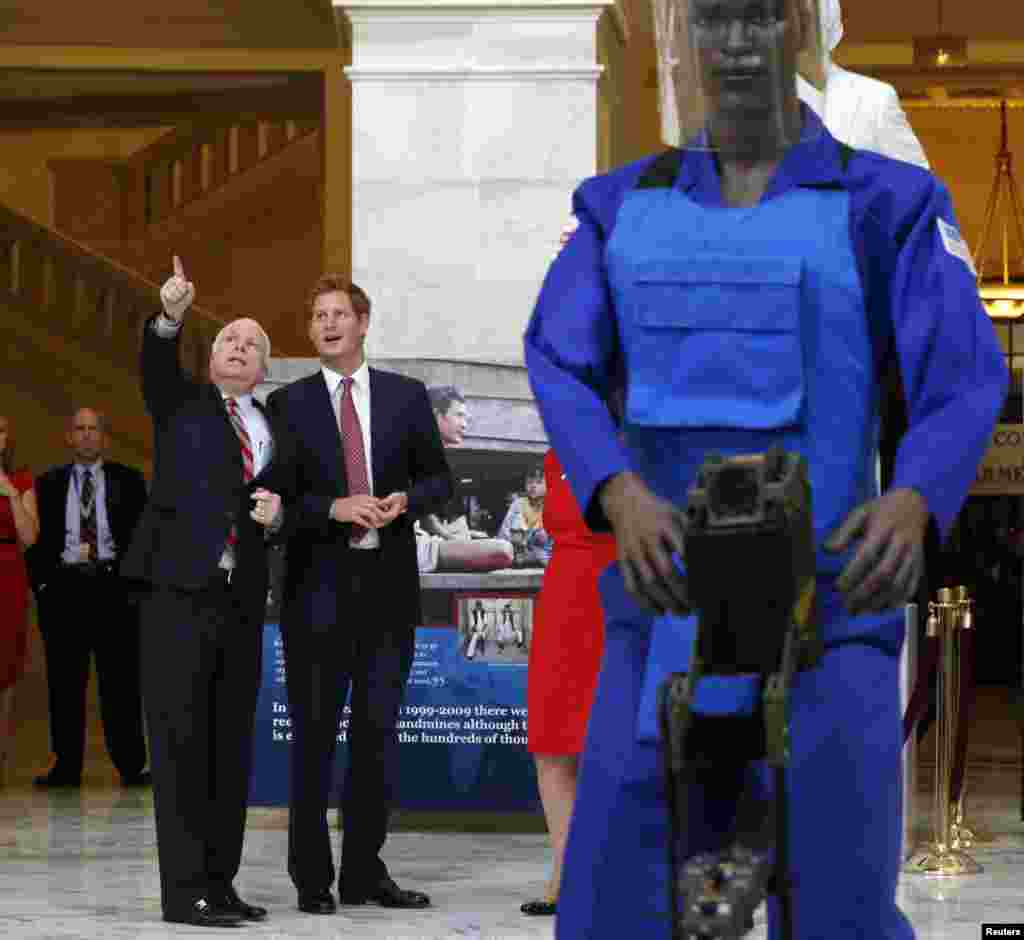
{"x":1003,"y":296}
{"x":941,"y":50}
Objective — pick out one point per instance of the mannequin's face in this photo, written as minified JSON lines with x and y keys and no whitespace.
{"x":747,"y":52}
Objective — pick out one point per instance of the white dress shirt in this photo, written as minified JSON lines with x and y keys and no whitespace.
{"x":165,"y":327}
{"x":361,"y":399}
{"x":73,"y":515}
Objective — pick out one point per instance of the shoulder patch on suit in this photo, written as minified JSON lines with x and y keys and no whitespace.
{"x":954,"y":243}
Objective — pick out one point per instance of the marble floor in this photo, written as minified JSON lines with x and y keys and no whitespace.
{"x":82,"y":864}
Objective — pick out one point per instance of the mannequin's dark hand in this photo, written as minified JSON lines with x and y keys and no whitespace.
{"x":648,"y":530}
{"x":889,"y":561}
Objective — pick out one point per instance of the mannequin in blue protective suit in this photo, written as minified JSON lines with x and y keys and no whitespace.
{"x":746,"y":300}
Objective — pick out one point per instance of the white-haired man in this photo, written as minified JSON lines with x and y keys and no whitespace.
{"x":200,"y":549}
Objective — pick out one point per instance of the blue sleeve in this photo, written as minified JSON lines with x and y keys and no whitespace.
{"x":954,"y":373}
{"x":572,"y":354}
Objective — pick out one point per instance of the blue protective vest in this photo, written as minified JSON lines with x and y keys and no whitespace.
{"x":745,"y":328}
{"x":742,"y":329}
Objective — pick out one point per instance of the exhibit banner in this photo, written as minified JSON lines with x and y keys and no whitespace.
{"x":461,"y":731}
{"x":481,"y":557}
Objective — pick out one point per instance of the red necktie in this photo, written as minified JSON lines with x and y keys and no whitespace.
{"x":246,"y":445}
{"x":352,"y":445}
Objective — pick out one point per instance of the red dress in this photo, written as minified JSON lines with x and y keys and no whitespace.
{"x":568,"y":626}
{"x":13,"y":591}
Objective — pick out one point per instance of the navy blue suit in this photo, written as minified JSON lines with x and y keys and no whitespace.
{"x":201,"y":634}
{"x":348,"y":615}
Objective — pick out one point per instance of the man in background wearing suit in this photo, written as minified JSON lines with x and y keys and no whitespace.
{"x":88,"y":510}
{"x":351,"y":600}
{"x":201,"y":550}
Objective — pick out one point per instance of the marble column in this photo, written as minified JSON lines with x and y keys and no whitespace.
{"x":472,"y":123}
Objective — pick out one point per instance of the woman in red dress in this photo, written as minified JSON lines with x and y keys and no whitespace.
{"x":19,"y":528}
{"x":565,"y":657}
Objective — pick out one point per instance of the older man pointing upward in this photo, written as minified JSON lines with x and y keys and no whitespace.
{"x":200,"y":548}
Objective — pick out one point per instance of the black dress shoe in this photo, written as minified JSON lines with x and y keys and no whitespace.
{"x":204,"y":914}
{"x":56,"y":778}
{"x":319,"y":902}
{"x":142,"y":779}
{"x":540,"y":908}
{"x":385,"y":893}
{"x":230,"y":901}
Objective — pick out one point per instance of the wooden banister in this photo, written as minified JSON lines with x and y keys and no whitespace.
{"x":193,"y":160}
{"x":103,"y":304}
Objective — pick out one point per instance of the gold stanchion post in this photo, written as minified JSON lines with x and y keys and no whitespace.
{"x":963,"y":835}
{"x":945,"y":856}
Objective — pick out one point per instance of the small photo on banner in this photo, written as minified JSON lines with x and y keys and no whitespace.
{"x":494,"y":628}
{"x":494,"y":520}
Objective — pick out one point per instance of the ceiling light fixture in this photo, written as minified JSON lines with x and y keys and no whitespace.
{"x":943,"y":50}
{"x":1003,"y":297}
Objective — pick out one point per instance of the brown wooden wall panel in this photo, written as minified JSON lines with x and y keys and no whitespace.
{"x":86,"y":198}
{"x":882,"y":20}
{"x":300,"y":24}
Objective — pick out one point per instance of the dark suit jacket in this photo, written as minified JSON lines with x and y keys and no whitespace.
{"x":407,"y":455}
{"x":125,"y":489}
{"x":198,"y":491}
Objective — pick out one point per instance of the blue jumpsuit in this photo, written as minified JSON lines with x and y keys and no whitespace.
{"x":732,"y":330}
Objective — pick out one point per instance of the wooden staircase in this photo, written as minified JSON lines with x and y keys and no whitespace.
{"x":70,"y":325}
{"x":73,"y":301}
{"x":234,"y":201}
{"x":192,"y":163}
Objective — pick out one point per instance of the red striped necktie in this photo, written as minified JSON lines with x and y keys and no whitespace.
{"x":246,"y":446}
{"x":352,"y":446}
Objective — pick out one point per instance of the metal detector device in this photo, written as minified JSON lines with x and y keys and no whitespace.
{"x":750,"y":562}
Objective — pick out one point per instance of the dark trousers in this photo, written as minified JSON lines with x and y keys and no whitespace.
{"x":81,"y":616}
{"x":201,"y":653}
{"x":365,"y":650}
